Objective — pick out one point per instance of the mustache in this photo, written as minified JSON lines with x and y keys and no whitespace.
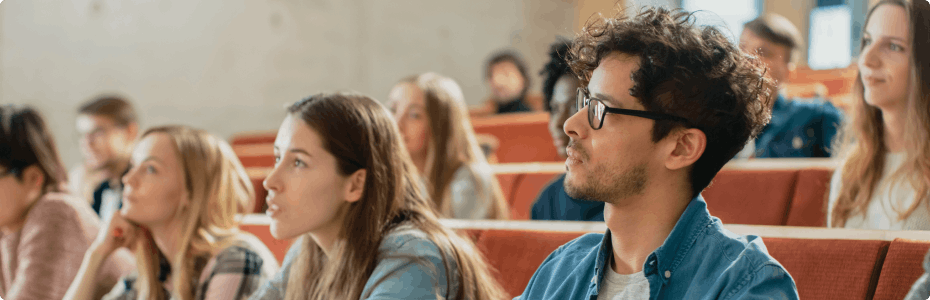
{"x":577,"y":150}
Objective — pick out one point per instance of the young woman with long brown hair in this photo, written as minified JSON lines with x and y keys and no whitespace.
{"x":44,"y":231}
{"x":430,"y":111}
{"x":885,"y":178}
{"x":344,"y":184}
{"x":181,"y":197}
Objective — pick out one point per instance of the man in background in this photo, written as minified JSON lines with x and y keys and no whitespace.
{"x":560,"y":86}
{"x":799,"y":128}
{"x":507,"y":77}
{"x":108,"y":128}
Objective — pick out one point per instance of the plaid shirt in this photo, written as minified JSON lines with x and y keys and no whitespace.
{"x":239,"y":261}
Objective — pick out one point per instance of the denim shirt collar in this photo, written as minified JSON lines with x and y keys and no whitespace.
{"x":660,"y":266}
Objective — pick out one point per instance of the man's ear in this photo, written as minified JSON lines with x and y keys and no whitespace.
{"x":689,"y":146}
{"x":355,"y":186}
{"x":34,"y":180}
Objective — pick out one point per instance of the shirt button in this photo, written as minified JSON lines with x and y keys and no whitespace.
{"x":668,"y":274}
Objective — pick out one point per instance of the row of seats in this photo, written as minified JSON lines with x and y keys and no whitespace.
{"x":758,"y":192}
{"x":825,"y":263}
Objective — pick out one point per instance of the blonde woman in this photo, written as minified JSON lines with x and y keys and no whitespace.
{"x":430,"y":112}
{"x":344,"y":184}
{"x":181,"y":197}
{"x":885,"y":179}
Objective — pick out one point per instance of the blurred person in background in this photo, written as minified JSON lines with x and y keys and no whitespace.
{"x":107,"y":126}
{"x":430,"y":112}
{"x":44,"y":231}
{"x":560,"y":87}
{"x":884,"y":180}
{"x":799,"y":127}
{"x":508,"y":78}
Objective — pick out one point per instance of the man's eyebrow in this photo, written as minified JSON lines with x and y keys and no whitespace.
{"x":610,"y":100}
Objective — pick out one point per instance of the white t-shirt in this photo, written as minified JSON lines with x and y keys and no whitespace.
{"x":623,"y":287}
{"x":889,"y":197}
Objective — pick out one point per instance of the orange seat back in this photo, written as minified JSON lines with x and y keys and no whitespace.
{"x":903,"y":265}
{"x":809,"y":202}
{"x":830,"y":269}
{"x":758,"y":197}
{"x":516,"y":254}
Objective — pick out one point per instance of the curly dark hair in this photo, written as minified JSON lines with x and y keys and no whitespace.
{"x":685,"y":70}
{"x":513,"y":57}
{"x":555,"y":68}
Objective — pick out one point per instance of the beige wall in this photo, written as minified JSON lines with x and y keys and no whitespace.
{"x":798,"y":12}
{"x":229,"y":66}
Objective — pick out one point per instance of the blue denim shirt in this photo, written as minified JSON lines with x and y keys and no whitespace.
{"x":799,"y":129}
{"x":554,"y":204}
{"x":698,"y":260}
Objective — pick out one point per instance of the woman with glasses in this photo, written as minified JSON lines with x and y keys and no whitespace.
{"x":432,"y":118}
{"x":344,"y":185}
{"x":44,"y":231}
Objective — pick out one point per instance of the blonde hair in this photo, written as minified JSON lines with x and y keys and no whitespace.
{"x":453,"y":145}
{"x":863,"y":137}
{"x":360,"y":134}
{"x":219,"y":189}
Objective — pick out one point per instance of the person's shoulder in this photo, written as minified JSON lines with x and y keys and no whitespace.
{"x":747,"y":251}
{"x":409,"y":240}
{"x":814,"y":107}
{"x":58,"y":208}
{"x":578,"y":249}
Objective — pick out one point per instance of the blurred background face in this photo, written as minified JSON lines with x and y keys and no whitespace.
{"x":506,"y":81}
{"x":305,"y":189}
{"x":885,"y":64}
{"x":409,"y":107}
{"x":775,"y":56}
{"x":154,"y":187}
{"x":563,"y":106}
{"x":102,"y":142}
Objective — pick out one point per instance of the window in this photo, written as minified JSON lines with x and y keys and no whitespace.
{"x":830,"y":37}
{"x":727,"y":15}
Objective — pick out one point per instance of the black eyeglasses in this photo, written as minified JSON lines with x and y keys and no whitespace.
{"x":597,"y":110}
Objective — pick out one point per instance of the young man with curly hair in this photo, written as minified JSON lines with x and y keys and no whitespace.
{"x":664,"y":105}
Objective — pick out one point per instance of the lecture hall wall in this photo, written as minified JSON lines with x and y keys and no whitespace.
{"x":230,"y":66}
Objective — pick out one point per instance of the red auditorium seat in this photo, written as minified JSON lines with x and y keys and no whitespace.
{"x":523,"y":137}
{"x":807,"y":206}
{"x":516,"y":254}
{"x":903,"y":265}
{"x":830,"y":269}
{"x":525,"y":193}
{"x":758,"y":197}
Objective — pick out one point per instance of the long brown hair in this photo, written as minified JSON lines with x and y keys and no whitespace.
{"x":453,"y":145}
{"x":863,"y":137}
{"x":360,"y":133}
{"x":219,"y":189}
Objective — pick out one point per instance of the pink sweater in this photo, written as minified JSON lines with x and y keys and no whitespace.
{"x":40,"y":260}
